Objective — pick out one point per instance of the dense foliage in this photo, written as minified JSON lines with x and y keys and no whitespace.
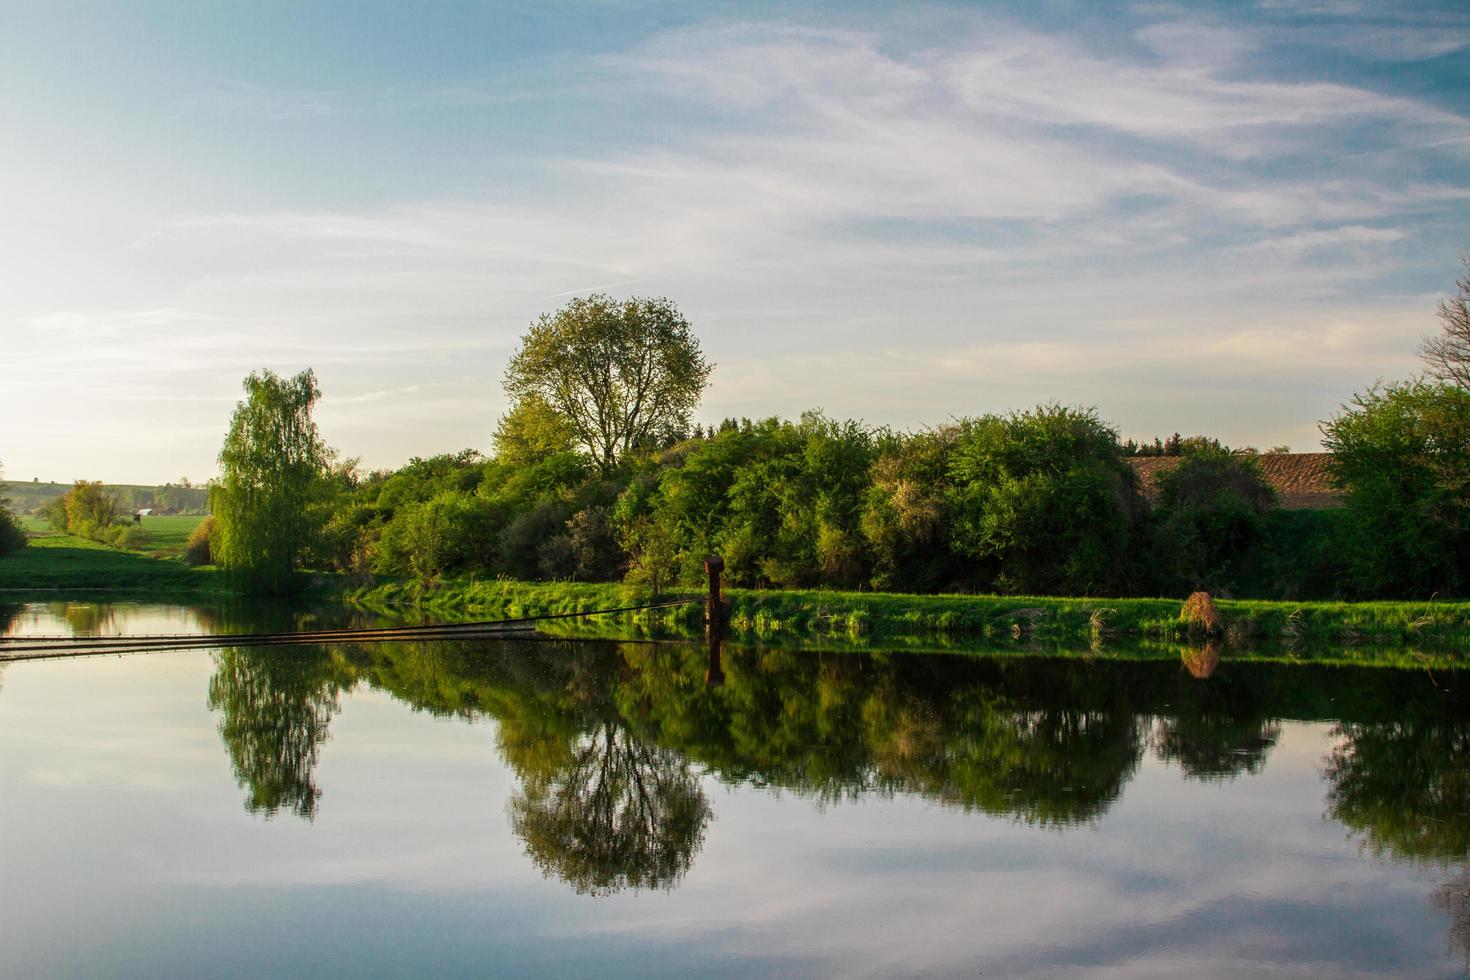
{"x":12,"y":535}
{"x":1211,"y":512}
{"x":268,"y":501}
{"x":1039,"y":501}
{"x":1402,"y":451}
{"x":91,"y":510}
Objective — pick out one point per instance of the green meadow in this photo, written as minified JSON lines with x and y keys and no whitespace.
{"x":64,"y":561}
{"x":168,"y":533}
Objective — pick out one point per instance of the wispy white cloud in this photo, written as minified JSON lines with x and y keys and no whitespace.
{"x":895,"y":223}
{"x":267,"y":103}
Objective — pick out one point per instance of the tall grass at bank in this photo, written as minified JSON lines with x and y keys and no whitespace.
{"x":756,"y":614}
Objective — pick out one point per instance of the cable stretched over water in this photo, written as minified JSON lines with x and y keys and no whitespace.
{"x":38,"y":647}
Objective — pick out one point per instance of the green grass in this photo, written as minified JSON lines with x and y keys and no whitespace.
{"x":885,"y":618}
{"x":168,"y":533}
{"x":34,"y":525}
{"x":62,"y":561}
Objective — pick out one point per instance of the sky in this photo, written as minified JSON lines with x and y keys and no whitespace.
{"x":1214,"y":218}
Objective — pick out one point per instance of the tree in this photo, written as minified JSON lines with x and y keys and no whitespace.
{"x":272,"y":465}
{"x":1211,"y":509}
{"x":532,"y":431}
{"x":12,"y":535}
{"x":1448,"y":354}
{"x":90,"y":509}
{"x":622,"y":374}
{"x":1402,"y":453}
{"x":1043,"y":500}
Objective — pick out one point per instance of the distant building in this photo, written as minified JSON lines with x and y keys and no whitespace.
{"x":1301,"y":480}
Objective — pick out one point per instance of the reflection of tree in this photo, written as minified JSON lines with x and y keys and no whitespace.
{"x":1216,"y":746}
{"x":1040,"y":764}
{"x":617,"y":813}
{"x":86,"y":618}
{"x":275,"y":705}
{"x":837,"y":727}
{"x":1405,"y":786}
{"x":1453,"y":898}
{"x":1218,"y":728}
{"x":1045,"y":740}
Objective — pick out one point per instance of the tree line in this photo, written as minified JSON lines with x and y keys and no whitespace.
{"x":597,"y":474}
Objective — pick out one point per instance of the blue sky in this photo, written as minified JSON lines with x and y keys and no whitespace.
{"x":1219,"y":218}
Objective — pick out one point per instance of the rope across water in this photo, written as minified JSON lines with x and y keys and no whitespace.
{"x":41,"y":647}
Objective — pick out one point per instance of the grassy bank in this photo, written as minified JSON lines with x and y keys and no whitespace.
{"x":1004,"y":619}
{"x":62,"y":561}
{"x":168,"y":533}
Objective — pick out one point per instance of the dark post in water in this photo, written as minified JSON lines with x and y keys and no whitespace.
{"x":715,"y":616}
{"x":714,"y":606}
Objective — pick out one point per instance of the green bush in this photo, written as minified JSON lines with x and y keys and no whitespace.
{"x":1044,"y":502}
{"x":1402,"y":453}
{"x":1210,"y":512}
{"x":129,"y":537}
{"x":12,"y":535}
{"x":197,"y":550}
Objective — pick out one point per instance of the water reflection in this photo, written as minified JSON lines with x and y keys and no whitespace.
{"x":276,"y":706}
{"x":1201,"y":661}
{"x":617,"y":812}
{"x":608,"y":741}
{"x":1453,"y":899}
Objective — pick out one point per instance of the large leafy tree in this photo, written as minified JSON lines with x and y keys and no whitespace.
{"x":623,"y":374}
{"x":1402,"y":453}
{"x":1043,"y":500}
{"x":272,"y":468}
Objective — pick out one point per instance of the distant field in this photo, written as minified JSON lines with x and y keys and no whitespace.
{"x":63,"y":561}
{"x":26,"y":497}
{"x":168,"y":534}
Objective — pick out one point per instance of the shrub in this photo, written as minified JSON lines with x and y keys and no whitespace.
{"x":12,"y":535}
{"x":129,"y":537}
{"x":1402,"y":453}
{"x":197,"y":549}
{"x":1211,"y":510}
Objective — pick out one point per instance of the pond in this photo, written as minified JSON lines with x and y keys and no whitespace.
{"x":555,"y":807}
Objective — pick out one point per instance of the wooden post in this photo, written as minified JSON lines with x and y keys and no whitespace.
{"x":714,"y":606}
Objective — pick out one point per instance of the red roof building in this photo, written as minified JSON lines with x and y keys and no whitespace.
{"x":1301,"y":480}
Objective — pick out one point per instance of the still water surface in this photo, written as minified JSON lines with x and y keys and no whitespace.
{"x":555,"y":808}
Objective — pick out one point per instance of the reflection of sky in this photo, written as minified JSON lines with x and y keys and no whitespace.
{"x":102,"y":619}
{"x":125,"y":848}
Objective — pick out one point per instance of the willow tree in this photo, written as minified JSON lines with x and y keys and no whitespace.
{"x":271,"y":468}
{"x":622,"y":374}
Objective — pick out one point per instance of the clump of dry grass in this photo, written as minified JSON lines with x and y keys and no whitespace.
{"x":1200,"y":616}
